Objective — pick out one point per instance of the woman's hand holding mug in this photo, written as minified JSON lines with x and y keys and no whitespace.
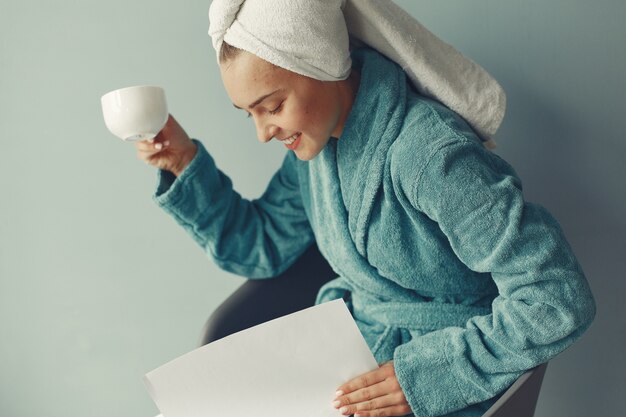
{"x":171,"y":149}
{"x":139,"y":114}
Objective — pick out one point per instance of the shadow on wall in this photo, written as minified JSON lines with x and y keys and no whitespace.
{"x":569,"y":165}
{"x":561,"y":167}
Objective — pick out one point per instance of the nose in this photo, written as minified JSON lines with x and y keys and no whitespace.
{"x":265,"y":132}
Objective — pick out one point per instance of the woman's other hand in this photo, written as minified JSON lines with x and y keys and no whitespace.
{"x":171,"y":150}
{"x":374,"y":394}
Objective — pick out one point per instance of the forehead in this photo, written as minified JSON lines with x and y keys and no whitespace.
{"x":246,"y":77}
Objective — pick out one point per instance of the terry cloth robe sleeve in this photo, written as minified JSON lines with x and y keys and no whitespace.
{"x":544,"y":302}
{"x":257,"y":238}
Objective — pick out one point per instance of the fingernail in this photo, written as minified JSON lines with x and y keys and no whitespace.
{"x":336,"y":404}
{"x":166,"y":143}
{"x":158,"y":146}
{"x":338,"y":393}
{"x":357,"y":415}
{"x":343,"y":410}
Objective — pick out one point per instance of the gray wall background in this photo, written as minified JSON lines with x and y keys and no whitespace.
{"x":98,"y":286}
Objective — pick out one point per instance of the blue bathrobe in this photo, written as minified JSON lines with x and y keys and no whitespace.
{"x":444,"y":266}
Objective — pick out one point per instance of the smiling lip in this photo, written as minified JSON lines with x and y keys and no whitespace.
{"x":294,"y":145}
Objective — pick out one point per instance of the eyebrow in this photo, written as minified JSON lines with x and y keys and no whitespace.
{"x":260,"y":99}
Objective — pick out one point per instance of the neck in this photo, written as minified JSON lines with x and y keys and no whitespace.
{"x":348,"y":89}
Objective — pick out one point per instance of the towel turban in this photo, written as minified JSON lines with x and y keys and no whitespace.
{"x":312,"y":38}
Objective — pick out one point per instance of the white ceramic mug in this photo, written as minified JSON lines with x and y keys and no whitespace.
{"x":135,"y":113}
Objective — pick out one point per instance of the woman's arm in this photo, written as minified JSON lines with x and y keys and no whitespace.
{"x":544,"y":302}
{"x":254,"y":238}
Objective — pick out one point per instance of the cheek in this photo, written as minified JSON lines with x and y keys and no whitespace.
{"x":304,"y":118}
{"x":314,"y":113}
{"x":317,"y":116}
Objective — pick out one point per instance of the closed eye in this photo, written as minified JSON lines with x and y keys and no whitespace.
{"x":272,"y":112}
{"x":277,"y":109}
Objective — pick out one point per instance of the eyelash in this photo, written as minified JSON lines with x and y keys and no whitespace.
{"x":272,"y":112}
{"x":277,"y":109}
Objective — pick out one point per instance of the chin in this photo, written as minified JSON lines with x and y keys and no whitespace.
{"x":307,"y":154}
{"x":304,"y":156}
{"x":310,"y":149}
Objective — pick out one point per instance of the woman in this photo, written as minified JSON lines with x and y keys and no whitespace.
{"x":457,"y":284}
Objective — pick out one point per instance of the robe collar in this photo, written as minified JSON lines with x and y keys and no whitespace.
{"x":347,"y":175}
{"x":373,"y":124}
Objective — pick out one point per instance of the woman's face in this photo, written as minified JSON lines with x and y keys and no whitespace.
{"x":301,"y":112}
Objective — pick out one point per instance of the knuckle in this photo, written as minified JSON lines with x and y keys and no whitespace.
{"x":371,"y":405}
{"x":366,"y":394}
{"x":394,"y":384}
{"x":398,"y":398}
{"x":364,"y":380}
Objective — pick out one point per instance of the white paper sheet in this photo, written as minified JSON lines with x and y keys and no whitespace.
{"x":287,"y":367}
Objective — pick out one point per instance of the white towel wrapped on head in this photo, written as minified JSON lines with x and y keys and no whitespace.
{"x":308,"y":37}
{"x":311,"y":37}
